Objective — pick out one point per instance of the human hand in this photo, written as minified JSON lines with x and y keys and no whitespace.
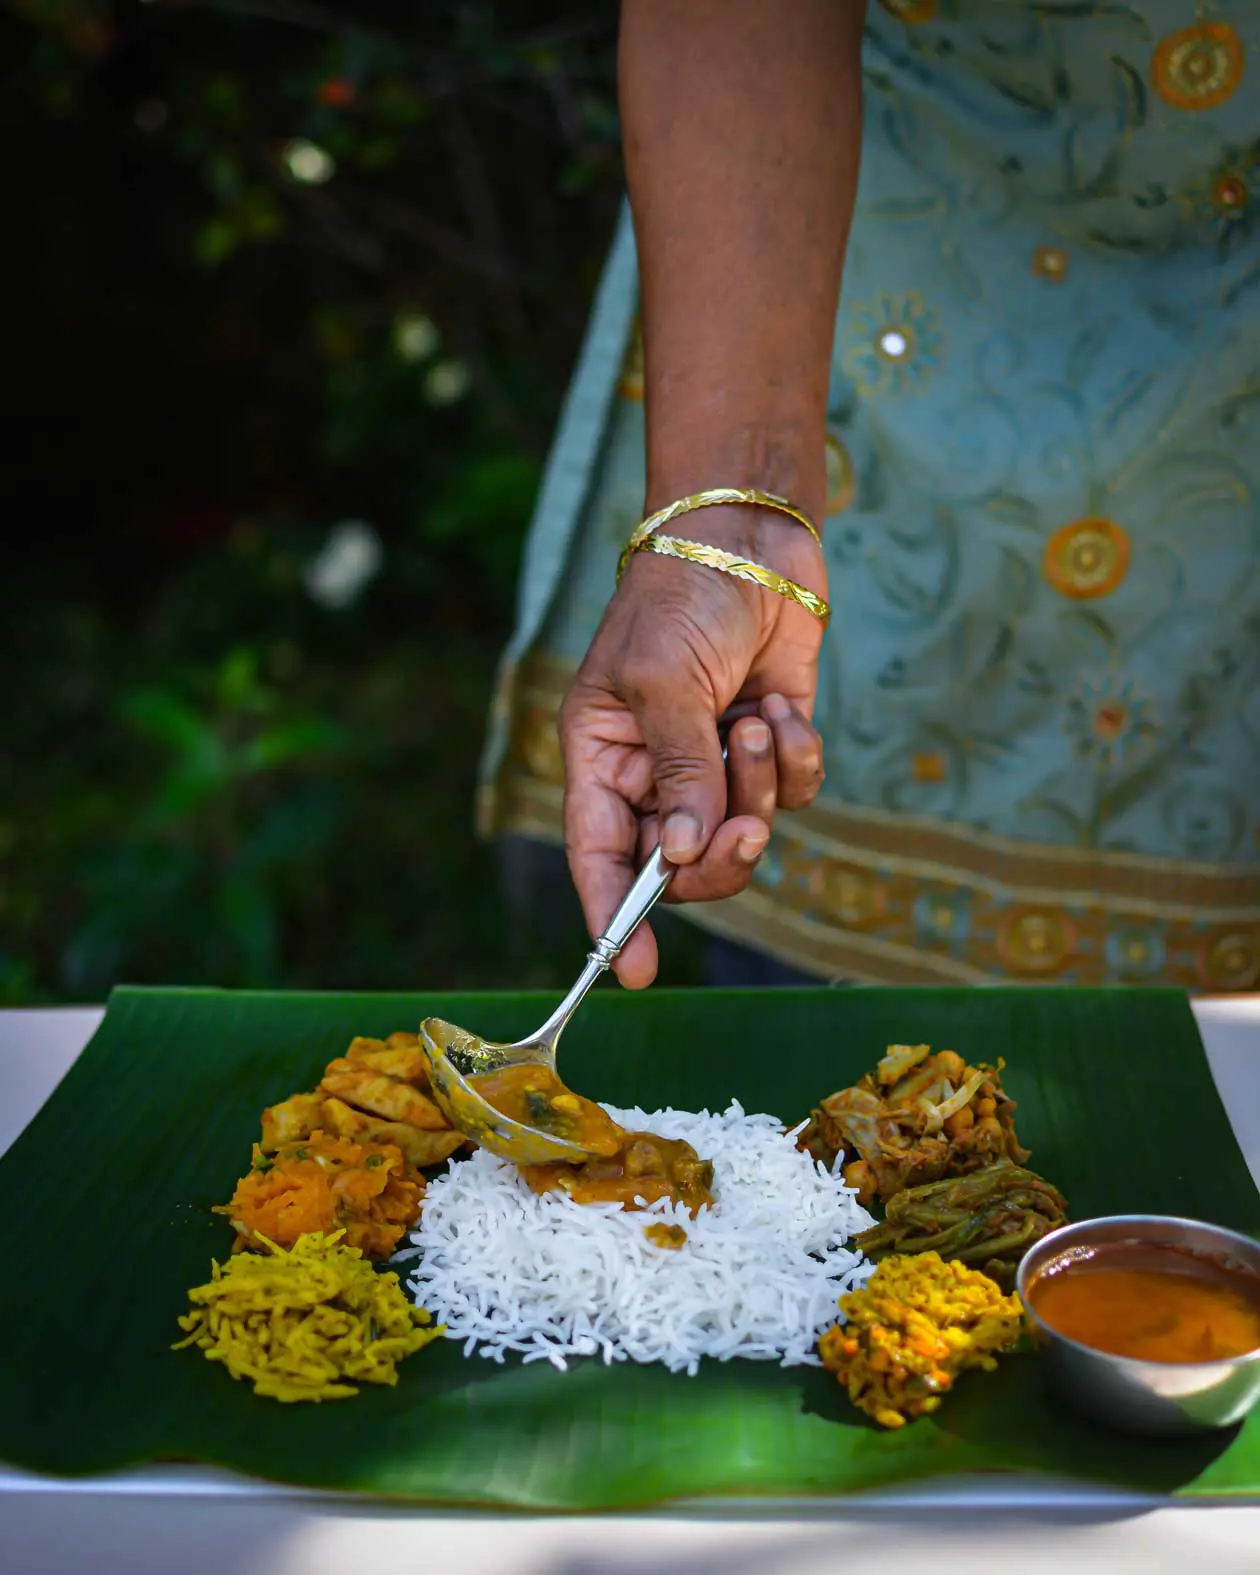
{"x":681,"y":649}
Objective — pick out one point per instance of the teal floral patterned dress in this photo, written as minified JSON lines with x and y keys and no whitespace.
{"x":1040,"y":690}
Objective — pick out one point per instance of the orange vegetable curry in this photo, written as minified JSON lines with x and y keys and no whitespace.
{"x":1151,"y":1302}
{"x":322,"y":1184}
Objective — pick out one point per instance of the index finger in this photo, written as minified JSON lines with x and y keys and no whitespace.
{"x":601,"y":838}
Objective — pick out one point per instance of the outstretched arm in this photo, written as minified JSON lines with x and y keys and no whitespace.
{"x":741,"y":128}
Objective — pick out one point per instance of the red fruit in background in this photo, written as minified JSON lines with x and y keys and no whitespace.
{"x":337,"y":92}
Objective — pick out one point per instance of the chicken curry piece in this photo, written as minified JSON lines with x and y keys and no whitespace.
{"x":378,"y":1092}
{"x":646,"y":1167}
{"x":534,"y":1096}
{"x":347,"y":1156}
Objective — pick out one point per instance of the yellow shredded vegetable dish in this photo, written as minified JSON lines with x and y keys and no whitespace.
{"x":912,"y":1329}
{"x":306,"y":1323}
{"x":335,"y":1181}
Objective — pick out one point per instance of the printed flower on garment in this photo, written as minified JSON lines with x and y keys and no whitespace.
{"x":1135,"y":952}
{"x":912,"y":12}
{"x":841,"y":477}
{"x":1199,"y":67}
{"x":1230,"y":195}
{"x":631,"y":385}
{"x":1226,"y":200}
{"x":852,"y":897}
{"x":892,"y":344}
{"x":930,"y":766}
{"x":769,"y":871}
{"x":1036,"y":941}
{"x":1232,"y":961}
{"x":539,"y":745}
{"x":1087,"y":558}
{"x":943,"y":914}
{"x":1050,"y":263}
{"x":1109,"y":721}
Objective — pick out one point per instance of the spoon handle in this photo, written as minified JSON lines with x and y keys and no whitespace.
{"x":649,"y":883}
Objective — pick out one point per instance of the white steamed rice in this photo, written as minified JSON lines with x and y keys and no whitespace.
{"x":759,"y":1275}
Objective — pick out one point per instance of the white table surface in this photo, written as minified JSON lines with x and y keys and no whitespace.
{"x":191,"y":1520}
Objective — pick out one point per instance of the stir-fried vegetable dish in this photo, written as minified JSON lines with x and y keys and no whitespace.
{"x":988,"y":1219}
{"x":917,"y":1118}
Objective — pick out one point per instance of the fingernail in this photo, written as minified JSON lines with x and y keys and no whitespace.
{"x":680,"y":837}
{"x":750,"y":849}
{"x":775,"y":708}
{"x":755,"y":737}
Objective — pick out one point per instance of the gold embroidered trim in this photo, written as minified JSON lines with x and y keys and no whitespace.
{"x":867,"y":895}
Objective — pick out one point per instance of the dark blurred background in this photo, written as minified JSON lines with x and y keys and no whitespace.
{"x":293,"y":293}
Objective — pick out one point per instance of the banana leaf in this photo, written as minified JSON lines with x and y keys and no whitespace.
{"x":106,"y":1201}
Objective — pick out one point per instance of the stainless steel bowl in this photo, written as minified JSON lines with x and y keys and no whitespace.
{"x":1160,"y":1399}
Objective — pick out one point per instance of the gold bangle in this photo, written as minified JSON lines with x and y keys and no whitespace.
{"x":706,"y":500}
{"x":727,"y":563}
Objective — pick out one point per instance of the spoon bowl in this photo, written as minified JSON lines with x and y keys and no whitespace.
{"x":454,"y":1055}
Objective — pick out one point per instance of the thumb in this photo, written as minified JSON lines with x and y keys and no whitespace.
{"x":681,"y":735}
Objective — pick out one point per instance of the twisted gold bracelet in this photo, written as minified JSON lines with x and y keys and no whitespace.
{"x":706,"y":500}
{"x":728,"y":563}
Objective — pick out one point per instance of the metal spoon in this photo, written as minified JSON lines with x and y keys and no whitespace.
{"x":453,"y":1054}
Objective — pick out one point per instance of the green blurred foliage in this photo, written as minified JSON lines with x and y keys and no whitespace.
{"x":239,"y":807}
{"x":277,"y":265}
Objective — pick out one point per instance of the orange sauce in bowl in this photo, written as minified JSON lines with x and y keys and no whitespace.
{"x":1151,"y":1302}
